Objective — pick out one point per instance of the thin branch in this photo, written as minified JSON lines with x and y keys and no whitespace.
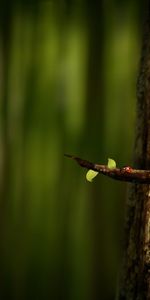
{"x":124,"y":174}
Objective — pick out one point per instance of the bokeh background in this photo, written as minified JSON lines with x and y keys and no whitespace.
{"x":68,"y":71}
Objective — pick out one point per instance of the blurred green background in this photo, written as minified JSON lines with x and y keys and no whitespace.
{"x":68,"y":73}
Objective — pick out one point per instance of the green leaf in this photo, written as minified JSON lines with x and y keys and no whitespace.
{"x":111,"y":163}
{"x":90,"y":175}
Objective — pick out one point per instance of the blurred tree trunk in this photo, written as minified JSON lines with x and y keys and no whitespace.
{"x":5,"y":29}
{"x":135,"y":277}
{"x":95,"y":107}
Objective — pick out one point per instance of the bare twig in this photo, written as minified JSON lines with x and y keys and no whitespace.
{"x":124,"y":174}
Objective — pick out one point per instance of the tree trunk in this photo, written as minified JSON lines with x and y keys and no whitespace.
{"x":135,"y":273}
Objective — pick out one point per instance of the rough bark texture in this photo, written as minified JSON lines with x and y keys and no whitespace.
{"x":135,"y":278}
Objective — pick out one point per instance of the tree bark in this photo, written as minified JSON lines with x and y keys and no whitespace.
{"x":135,"y":273}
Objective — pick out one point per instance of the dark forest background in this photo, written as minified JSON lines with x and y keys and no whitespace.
{"x":68,"y":72}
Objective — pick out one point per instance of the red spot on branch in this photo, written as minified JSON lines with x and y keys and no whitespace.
{"x":127,"y":169}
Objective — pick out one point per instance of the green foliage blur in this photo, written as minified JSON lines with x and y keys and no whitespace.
{"x":68,"y":72}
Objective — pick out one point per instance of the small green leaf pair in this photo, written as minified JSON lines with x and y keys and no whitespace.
{"x":90,"y":175}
